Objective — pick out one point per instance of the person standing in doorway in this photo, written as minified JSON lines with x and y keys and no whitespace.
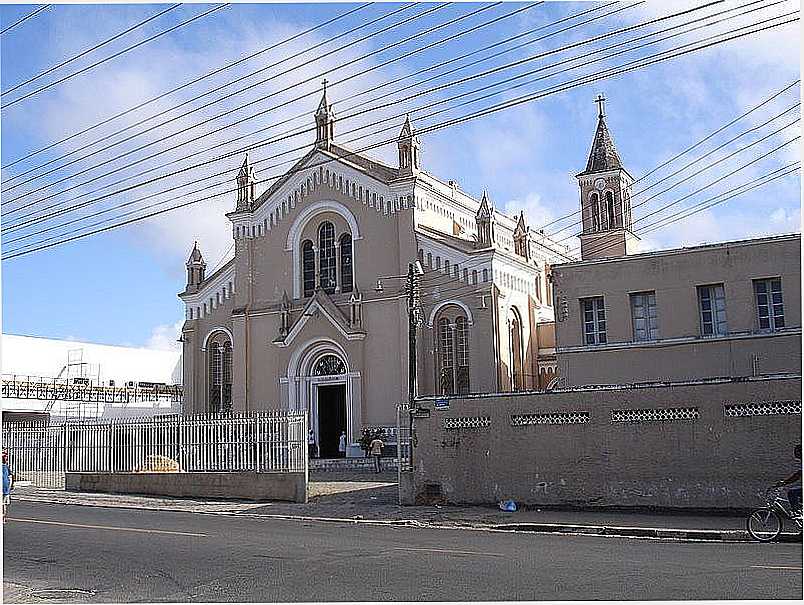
{"x":375,"y":447}
{"x":342,"y":445}
{"x":311,"y":449}
{"x":8,"y":484}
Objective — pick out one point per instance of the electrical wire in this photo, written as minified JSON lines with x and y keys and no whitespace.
{"x":184,"y":85}
{"x":359,"y":94}
{"x":232,"y":94}
{"x":218,"y":158}
{"x":28,"y":95}
{"x":693,"y":146}
{"x":455,"y":121}
{"x":483,"y":74}
{"x":89,"y":50}
{"x":25,"y":18}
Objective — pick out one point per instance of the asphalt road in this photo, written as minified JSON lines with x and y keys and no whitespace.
{"x":85,"y":554}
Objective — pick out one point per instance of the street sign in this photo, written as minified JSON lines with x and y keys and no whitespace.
{"x":442,"y":403}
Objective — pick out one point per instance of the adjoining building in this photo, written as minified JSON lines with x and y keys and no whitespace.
{"x":729,"y":309}
{"x":56,"y":378}
{"x":311,"y":313}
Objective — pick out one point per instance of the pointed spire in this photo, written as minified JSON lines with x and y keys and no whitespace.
{"x":520,"y":224}
{"x":244,"y":168}
{"x":325,"y":121}
{"x":195,"y":255}
{"x":409,"y":147}
{"x":484,"y":211}
{"x":246,"y":180}
{"x":407,"y":129}
{"x":195,"y":268}
{"x":603,"y":155}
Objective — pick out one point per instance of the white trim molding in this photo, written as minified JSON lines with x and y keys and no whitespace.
{"x":213,"y":331}
{"x":469,"y":318}
{"x":294,"y":234}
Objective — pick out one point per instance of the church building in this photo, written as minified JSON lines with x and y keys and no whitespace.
{"x":312,"y":311}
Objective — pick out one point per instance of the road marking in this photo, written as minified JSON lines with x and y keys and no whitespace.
{"x":134,"y":529}
{"x":790,"y":567}
{"x":455,"y":552}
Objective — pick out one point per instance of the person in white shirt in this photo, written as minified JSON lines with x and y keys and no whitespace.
{"x":342,"y":444}
{"x":375,"y":448}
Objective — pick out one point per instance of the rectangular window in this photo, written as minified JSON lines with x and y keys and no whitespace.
{"x":593,"y":315}
{"x":643,"y":316}
{"x":712,"y":307}
{"x":770,"y":307}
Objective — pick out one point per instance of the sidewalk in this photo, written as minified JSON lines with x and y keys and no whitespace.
{"x":358,"y":498}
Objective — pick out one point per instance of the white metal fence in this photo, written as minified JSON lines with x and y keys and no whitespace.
{"x":261,"y":442}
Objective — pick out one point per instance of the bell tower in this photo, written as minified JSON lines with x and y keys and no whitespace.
{"x":605,"y":197}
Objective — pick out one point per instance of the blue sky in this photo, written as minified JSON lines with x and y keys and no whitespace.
{"x":120,"y":287}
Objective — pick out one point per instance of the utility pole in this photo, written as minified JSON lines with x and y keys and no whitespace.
{"x":411,"y":288}
{"x":413,"y":300}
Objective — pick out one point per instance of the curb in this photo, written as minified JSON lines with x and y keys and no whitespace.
{"x":609,"y":531}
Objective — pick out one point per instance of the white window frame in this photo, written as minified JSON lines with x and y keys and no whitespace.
{"x":644,"y":316}
{"x":713,"y":320}
{"x":774,"y":310}
{"x":593,"y":325}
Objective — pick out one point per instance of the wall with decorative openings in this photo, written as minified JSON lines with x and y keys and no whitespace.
{"x":708,"y":444}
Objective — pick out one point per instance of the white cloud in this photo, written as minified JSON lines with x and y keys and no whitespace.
{"x":164,"y":337}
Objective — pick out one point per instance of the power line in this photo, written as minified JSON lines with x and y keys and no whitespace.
{"x":382,"y":121}
{"x":483,"y":74}
{"x":693,"y":146}
{"x":705,"y":204}
{"x":359,"y":94}
{"x":25,"y":18}
{"x":715,"y":182}
{"x":110,"y":57}
{"x":493,"y":109}
{"x":89,"y":50}
{"x":696,"y":173}
{"x":232,"y":94}
{"x":487,"y":111}
{"x":224,"y":156}
{"x":184,"y":85}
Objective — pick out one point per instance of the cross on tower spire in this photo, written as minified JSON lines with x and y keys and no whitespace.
{"x":601,"y":105}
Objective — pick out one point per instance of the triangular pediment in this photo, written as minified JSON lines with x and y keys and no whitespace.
{"x":321,"y":305}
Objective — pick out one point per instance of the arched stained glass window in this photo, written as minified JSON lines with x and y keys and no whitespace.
{"x":346,"y":263}
{"x":329,"y":365}
{"x":326,"y":259}
{"x":308,"y":268}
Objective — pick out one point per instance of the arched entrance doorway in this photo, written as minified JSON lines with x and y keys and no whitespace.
{"x":329,"y":382}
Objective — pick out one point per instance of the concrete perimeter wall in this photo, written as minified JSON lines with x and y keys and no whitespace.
{"x":670,"y":446}
{"x":287,"y":487}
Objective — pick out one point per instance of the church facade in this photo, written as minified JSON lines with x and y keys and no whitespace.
{"x":312,"y":311}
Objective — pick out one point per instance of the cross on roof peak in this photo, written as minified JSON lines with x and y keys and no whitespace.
{"x":601,"y":105}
